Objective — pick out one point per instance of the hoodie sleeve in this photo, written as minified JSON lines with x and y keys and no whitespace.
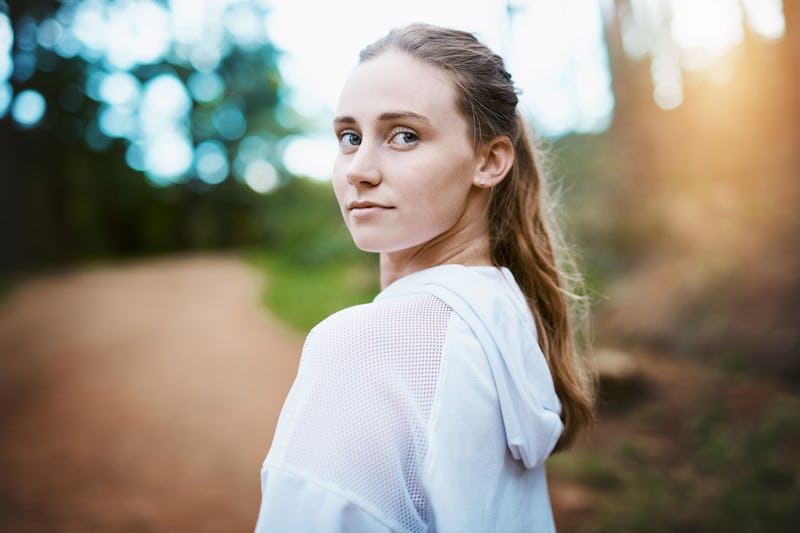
{"x":352,"y":437}
{"x":294,"y":502}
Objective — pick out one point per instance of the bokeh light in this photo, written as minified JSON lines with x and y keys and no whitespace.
{"x":67,"y":45}
{"x":28,"y":108}
{"x":120,"y":89}
{"x":765,"y":17}
{"x":150,"y":109}
{"x":49,"y":33}
{"x":6,"y":95}
{"x":124,"y":34}
{"x":26,"y":34}
{"x":134,"y":156}
{"x":168,"y":155}
{"x":297,"y":160}
{"x":6,"y":34}
{"x":251,"y":148}
{"x":164,"y":99}
{"x":686,"y":35}
{"x":243,"y":23}
{"x":163,"y":118}
{"x":229,"y":121}
{"x":261,"y":176}
{"x":24,"y":66}
{"x":6,"y":63}
{"x":6,"y":66}
{"x":567,"y":89}
{"x":703,"y":43}
{"x":211,"y":162}
{"x":116,"y":121}
{"x":206,"y":86}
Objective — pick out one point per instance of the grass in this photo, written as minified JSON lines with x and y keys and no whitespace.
{"x":304,"y":294}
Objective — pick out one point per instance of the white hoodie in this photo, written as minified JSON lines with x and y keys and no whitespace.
{"x":430,"y":409}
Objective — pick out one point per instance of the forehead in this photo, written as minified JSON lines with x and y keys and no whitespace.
{"x":397,"y":81}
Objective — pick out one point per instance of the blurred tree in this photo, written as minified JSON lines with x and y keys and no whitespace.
{"x":699,"y":261}
{"x":73,"y":183}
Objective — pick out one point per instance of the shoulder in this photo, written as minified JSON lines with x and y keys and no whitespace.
{"x":356,"y":418}
{"x":487,"y":295}
{"x":486,"y":282}
{"x":404,"y":321}
{"x":373,"y":352}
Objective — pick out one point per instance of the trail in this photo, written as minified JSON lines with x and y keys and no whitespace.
{"x":142,"y":397}
{"x":139,"y":397}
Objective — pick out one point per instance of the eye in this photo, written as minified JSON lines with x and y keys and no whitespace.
{"x":348,"y":138}
{"x":404,"y":138}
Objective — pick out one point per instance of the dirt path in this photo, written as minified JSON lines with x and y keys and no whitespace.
{"x":139,"y":398}
{"x":143,"y":397}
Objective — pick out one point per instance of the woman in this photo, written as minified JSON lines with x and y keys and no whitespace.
{"x":434,"y":407}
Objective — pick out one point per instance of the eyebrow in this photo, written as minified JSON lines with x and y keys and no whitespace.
{"x":384,"y":117}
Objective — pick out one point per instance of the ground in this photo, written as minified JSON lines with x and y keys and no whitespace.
{"x":143,"y":397}
{"x":139,"y":398}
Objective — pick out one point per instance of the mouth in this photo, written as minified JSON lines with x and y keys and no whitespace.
{"x":363,"y":210}
{"x":365,"y":205}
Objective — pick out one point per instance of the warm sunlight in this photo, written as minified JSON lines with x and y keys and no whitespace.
{"x":688,"y":35}
{"x":705,"y":31}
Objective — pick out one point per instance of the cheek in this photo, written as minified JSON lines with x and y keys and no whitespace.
{"x":447,"y":187}
{"x":339,"y":183}
{"x":435,"y":207}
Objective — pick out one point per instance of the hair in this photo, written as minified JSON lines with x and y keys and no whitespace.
{"x":522,"y":233}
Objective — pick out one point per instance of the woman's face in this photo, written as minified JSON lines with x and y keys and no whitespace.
{"x":406,"y":165}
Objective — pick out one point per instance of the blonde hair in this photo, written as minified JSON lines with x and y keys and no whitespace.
{"x":522,"y":235}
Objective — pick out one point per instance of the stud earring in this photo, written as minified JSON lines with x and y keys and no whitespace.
{"x":483,"y":182}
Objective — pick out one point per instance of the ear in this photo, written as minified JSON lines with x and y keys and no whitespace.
{"x":495,"y":160}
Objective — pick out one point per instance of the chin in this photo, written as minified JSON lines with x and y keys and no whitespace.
{"x":378,"y":244}
{"x":366,"y":245}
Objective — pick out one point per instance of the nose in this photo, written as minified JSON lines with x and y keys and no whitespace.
{"x":364,"y":167}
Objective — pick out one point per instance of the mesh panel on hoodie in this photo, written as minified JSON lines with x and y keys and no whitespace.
{"x":359,"y":409}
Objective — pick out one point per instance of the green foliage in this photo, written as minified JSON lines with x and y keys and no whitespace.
{"x":312,"y":267}
{"x":302,"y":222}
{"x":304,"y":294}
{"x":69,"y":194}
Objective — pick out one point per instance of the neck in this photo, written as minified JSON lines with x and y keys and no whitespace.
{"x":467,"y":246}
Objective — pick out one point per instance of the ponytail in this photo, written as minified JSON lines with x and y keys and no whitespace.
{"x":523,"y":239}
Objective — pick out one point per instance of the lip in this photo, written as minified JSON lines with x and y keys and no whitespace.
{"x":364,"y":209}
{"x":363,"y":204}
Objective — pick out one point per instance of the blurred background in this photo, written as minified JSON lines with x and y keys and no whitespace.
{"x":168,"y":235}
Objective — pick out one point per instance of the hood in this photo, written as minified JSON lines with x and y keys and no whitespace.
{"x":489,"y":300}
